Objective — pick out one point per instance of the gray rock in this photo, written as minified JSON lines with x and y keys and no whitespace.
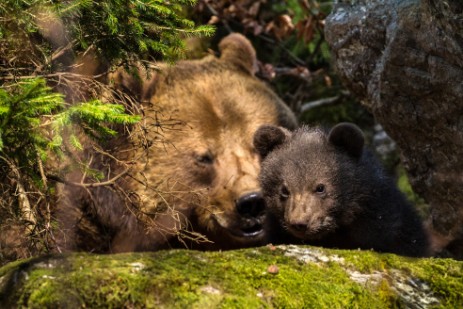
{"x":267,"y":277}
{"x":403,"y":59}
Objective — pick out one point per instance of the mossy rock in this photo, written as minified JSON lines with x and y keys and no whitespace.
{"x":274,"y":277}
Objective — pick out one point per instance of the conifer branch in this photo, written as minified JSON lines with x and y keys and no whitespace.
{"x":50,"y":83}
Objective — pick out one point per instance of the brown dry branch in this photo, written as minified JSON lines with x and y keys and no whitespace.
{"x":83,"y":184}
{"x":321,"y":102}
{"x":27,"y":213}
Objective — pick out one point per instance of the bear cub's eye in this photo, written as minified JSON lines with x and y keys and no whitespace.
{"x":320,"y":188}
{"x":284,"y":193}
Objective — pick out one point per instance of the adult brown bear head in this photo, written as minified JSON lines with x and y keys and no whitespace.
{"x":196,"y":170}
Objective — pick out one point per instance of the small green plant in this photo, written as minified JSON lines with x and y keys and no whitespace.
{"x":49,"y":34}
{"x":54,"y":58}
{"x":33,"y":119}
{"x":35,"y":124}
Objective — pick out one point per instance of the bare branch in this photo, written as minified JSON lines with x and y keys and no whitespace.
{"x":321,"y":102}
{"x":23,"y":201}
{"x":42,"y":172}
{"x":109,"y":182}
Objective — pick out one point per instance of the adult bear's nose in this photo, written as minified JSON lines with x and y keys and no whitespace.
{"x":251,"y":205}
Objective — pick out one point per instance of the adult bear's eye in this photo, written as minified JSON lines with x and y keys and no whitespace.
{"x":205,"y":158}
{"x":284,"y":193}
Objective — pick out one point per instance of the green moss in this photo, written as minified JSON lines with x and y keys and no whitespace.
{"x":368,"y":261}
{"x":445,"y":277}
{"x":386,"y":293}
{"x":302,"y":277}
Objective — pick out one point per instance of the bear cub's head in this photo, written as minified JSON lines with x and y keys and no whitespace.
{"x":307,"y":175}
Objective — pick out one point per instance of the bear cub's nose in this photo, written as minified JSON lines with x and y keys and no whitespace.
{"x":251,"y":205}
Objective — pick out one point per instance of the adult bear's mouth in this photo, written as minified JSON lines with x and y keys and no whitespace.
{"x":247,"y":229}
{"x":245,"y":223}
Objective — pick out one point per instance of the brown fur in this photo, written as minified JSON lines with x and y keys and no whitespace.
{"x":193,"y":160}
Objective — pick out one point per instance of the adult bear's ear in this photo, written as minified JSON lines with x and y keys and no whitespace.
{"x":135,"y":80}
{"x":236,"y":48}
{"x":349,"y":137}
{"x":269,"y":137}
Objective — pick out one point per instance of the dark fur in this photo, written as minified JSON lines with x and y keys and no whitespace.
{"x":360,"y":206}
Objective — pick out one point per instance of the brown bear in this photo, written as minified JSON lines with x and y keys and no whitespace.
{"x":327,"y":189}
{"x":189,"y":171}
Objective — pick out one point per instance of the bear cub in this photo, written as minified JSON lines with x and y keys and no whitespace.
{"x":324,"y":188}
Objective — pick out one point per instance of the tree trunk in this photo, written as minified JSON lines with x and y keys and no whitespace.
{"x":266,"y":277}
{"x":404,"y":60}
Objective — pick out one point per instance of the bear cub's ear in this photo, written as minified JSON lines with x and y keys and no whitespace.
{"x":268,"y":137}
{"x":349,"y":137}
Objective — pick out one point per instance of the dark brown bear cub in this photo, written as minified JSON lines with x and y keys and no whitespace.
{"x":326,"y":189}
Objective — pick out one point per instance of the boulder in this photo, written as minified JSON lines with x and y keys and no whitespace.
{"x":403,"y":60}
{"x":273,"y":276}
